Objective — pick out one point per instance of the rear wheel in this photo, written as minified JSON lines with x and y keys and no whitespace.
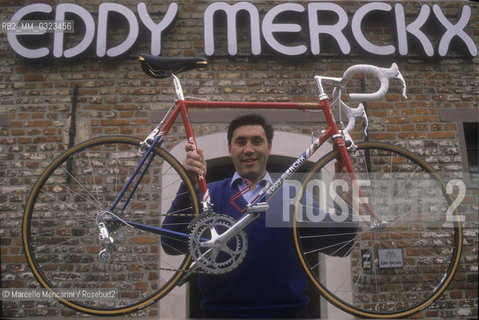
{"x":390,"y":264}
{"x":113,"y":261}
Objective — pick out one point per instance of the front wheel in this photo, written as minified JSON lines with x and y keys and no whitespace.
{"x":387,"y":251}
{"x":100,"y":260}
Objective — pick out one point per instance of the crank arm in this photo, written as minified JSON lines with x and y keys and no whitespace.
{"x":188,"y":273}
{"x":237,"y":227}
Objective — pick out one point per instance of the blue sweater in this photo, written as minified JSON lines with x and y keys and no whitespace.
{"x":270,"y":281}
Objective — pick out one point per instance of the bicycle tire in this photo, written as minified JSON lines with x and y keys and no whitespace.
{"x":61,"y":236}
{"x":427,"y":244}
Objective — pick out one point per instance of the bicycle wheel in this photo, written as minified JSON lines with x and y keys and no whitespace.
{"x":392,"y":263}
{"x":63,"y":216}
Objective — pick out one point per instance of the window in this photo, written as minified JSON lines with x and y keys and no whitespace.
{"x":471,"y":137}
{"x":467,"y":120}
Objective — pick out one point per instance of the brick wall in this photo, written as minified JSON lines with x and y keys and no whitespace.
{"x":115,"y":97}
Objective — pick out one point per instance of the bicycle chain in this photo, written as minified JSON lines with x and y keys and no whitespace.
{"x":196,"y":219}
{"x":192,"y":271}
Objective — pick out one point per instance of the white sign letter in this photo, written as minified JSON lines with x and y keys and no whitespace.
{"x":103,"y":11}
{"x":335,"y":30}
{"x":231,"y":12}
{"x":269,"y":28}
{"x":157,"y":29}
{"x":358,"y":33}
{"x":12,"y":36}
{"x":455,"y":30}
{"x":413,"y":28}
{"x":59,"y":36}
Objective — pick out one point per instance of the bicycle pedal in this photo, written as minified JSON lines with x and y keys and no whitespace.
{"x":259,"y":207}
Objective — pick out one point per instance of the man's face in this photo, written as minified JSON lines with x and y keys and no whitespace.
{"x":249,"y":150}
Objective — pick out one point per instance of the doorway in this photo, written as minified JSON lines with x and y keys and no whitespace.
{"x":287,"y":148}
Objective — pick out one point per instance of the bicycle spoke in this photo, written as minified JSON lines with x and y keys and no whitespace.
{"x":408,"y":224}
{"x":86,"y":189}
{"x":63,"y":226}
{"x":60,"y":258}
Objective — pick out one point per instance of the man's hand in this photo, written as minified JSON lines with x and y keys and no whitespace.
{"x":194,"y":163}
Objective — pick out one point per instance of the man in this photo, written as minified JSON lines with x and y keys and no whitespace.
{"x":249,"y":146}
{"x":269,"y":282}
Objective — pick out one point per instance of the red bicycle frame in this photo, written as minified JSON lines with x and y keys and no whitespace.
{"x":182,"y":107}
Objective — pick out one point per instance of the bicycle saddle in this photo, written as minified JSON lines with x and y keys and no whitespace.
{"x":163,"y":67}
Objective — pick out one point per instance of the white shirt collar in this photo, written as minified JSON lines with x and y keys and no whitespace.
{"x":237,"y":177}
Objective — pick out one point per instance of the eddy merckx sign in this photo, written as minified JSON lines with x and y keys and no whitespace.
{"x":268,"y":30}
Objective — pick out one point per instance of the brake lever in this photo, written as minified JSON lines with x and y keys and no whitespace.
{"x":399,"y":77}
{"x":365,"y":119}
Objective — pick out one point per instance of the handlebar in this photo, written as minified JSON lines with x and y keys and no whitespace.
{"x":382,"y":74}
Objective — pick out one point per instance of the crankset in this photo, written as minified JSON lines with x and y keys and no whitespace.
{"x":215,"y":250}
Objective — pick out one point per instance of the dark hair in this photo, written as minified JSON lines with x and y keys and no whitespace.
{"x":250,"y":119}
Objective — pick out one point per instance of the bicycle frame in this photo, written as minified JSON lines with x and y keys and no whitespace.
{"x":155,"y":138}
{"x":407,"y":257}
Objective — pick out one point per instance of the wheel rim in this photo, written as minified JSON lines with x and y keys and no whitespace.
{"x":374,"y":300}
{"x":61,"y":240}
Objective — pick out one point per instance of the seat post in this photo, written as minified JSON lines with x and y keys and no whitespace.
{"x":178,"y":88}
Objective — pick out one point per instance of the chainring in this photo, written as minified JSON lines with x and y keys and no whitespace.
{"x":211,"y":254}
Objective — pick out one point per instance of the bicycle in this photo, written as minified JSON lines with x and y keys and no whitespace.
{"x":94,"y":217}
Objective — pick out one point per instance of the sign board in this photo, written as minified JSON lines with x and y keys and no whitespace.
{"x":269,"y":32}
{"x":390,"y":258}
{"x":366,"y":259}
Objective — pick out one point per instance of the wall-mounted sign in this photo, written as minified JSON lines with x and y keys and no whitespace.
{"x":92,"y":29}
{"x":366,"y":259}
{"x":390,"y":258}
{"x":270,"y":28}
{"x":317,"y":29}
